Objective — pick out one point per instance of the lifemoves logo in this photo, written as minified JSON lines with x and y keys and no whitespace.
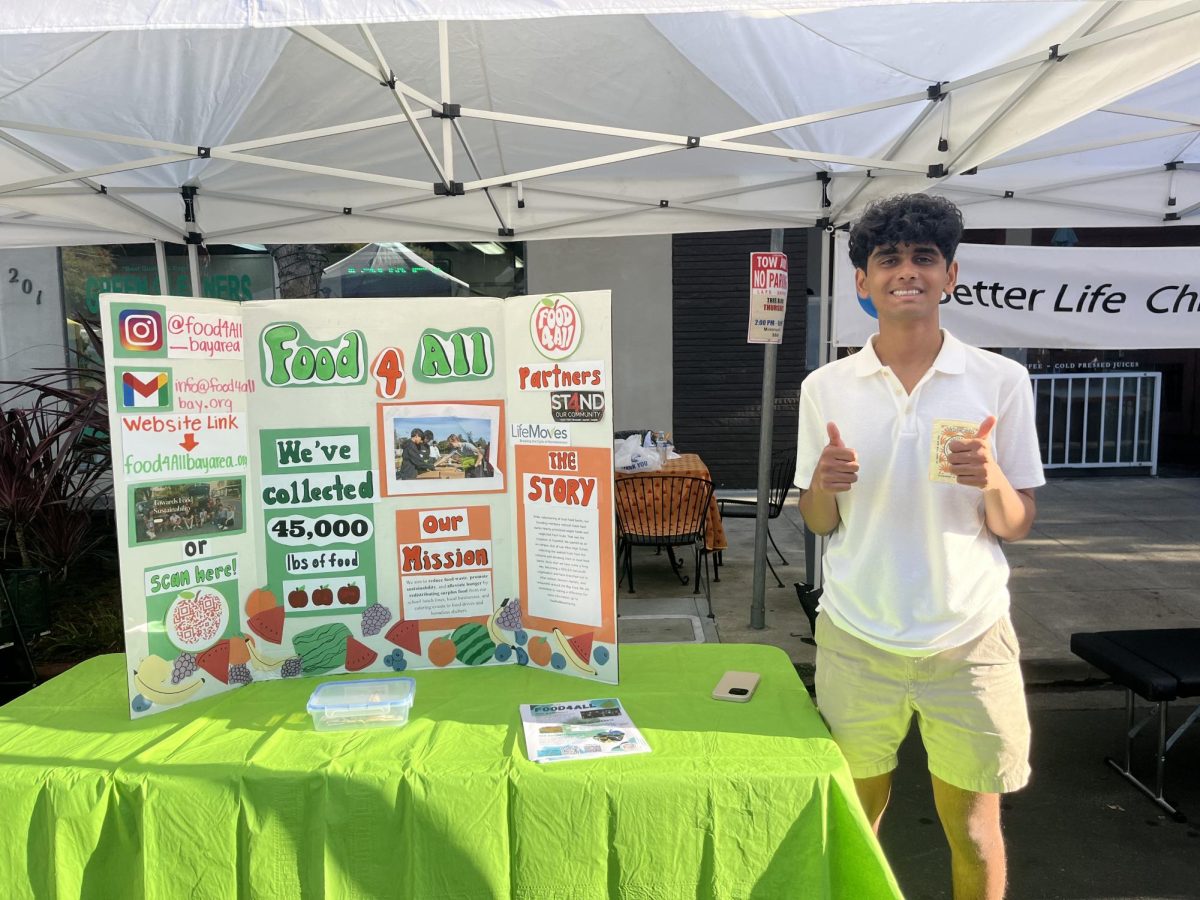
{"x":140,"y":330}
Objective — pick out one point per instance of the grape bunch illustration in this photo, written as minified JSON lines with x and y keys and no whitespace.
{"x":374,"y":617}
{"x":291,"y":667}
{"x":240,"y":674}
{"x":510,"y":616}
{"x":184,"y":667}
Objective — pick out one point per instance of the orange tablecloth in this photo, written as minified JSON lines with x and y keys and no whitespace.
{"x":692,"y":464}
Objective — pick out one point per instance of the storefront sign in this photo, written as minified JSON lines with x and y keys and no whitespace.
{"x":1063,"y":297}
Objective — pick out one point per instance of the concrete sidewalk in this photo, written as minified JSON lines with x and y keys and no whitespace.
{"x":1105,"y":553}
{"x":1078,"y":831}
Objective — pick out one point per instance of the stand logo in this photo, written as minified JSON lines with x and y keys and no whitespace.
{"x":555,"y":327}
{"x":577,"y":406}
{"x":144,"y":389}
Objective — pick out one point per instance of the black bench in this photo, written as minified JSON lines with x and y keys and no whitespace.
{"x":1159,"y":665}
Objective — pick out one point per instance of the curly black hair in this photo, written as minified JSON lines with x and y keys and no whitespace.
{"x":906,"y":219}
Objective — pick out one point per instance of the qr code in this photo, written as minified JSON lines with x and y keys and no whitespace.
{"x":199,"y":620}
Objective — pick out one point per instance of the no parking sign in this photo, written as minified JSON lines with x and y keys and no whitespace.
{"x":768,"y":298}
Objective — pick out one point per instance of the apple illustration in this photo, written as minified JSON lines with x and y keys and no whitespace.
{"x":555,"y":327}
{"x":323,"y":596}
{"x":298,"y":599}
{"x":348,"y":594}
{"x":539,"y":650}
{"x":441,"y":651}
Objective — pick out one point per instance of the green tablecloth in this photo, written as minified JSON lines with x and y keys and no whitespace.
{"x":238,"y":796}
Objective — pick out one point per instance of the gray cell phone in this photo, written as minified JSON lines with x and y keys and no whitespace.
{"x":736,"y":686}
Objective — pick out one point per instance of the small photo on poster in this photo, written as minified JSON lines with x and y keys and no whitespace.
{"x":182,"y":510}
{"x":441,"y":448}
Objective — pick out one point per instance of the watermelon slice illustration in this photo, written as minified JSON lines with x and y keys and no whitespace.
{"x":407,"y":635}
{"x":358,"y":655}
{"x":215,"y":661}
{"x":577,"y":650}
{"x":268,"y":624}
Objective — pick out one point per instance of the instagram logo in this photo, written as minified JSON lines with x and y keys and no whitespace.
{"x":141,"y":330}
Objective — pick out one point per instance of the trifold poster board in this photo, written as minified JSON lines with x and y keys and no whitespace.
{"x":310,"y":487}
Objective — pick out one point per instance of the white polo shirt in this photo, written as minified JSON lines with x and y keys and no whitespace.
{"x":912,"y":567}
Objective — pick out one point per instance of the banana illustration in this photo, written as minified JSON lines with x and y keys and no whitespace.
{"x":493,"y":631}
{"x":260,"y":662}
{"x":569,"y":652}
{"x":153,"y":680}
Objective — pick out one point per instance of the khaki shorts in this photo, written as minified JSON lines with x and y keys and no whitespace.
{"x":969,"y":702}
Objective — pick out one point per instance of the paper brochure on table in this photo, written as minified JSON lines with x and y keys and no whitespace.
{"x":579,"y":729}
{"x":311,"y":487}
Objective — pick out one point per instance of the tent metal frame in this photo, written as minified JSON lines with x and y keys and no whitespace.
{"x":944,"y":165}
{"x":416,"y":106}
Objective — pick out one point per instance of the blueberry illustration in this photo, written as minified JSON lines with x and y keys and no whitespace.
{"x":558,"y":661}
{"x":140,"y":704}
{"x":600,"y":655}
{"x":522,"y":657}
{"x":503,"y":652}
{"x":521,"y":637}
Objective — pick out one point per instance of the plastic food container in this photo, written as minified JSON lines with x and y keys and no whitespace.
{"x":375,"y":703}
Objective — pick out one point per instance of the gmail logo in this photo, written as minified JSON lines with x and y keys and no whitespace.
{"x":144,"y":389}
{"x":140,"y":330}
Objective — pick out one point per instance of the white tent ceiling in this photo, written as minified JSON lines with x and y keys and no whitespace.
{"x":632,"y":118}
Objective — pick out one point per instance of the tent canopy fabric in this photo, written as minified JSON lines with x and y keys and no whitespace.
{"x":283,"y":122}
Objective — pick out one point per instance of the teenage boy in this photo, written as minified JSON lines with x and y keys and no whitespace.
{"x":918,"y":455}
{"x":412,"y":460}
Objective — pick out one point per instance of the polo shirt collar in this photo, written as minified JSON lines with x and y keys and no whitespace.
{"x":951,"y":359}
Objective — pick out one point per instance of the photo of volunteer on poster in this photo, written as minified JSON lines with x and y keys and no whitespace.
{"x":441,"y":448}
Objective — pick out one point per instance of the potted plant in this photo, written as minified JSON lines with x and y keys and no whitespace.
{"x":54,"y":467}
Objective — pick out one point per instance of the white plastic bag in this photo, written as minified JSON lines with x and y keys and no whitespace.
{"x":630,"y":456}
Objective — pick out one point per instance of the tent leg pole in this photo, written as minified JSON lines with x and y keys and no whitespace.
{"x":766,"y":434}
{"x":194,"y":268}
{"x":160,"y":256}
{"x":814,"y":544}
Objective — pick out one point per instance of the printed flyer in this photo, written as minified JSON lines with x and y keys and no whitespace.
{"x":579,"y":729}
{"x":314,"y":487}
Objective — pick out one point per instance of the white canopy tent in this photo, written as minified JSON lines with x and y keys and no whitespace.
{"x":526,"y":119}
{"x":314,"y":121}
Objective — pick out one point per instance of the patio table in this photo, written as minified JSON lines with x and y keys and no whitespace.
{"x":238,"y":796}
{"x":691,"y":464}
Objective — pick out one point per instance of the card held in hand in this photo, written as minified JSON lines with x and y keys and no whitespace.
{"x":945,"y":431}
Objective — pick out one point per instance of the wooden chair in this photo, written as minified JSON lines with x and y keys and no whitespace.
{"x":783,"y":473}
{"x":665,"y":511}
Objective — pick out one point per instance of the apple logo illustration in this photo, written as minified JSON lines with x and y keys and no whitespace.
{"x":555,"y":326}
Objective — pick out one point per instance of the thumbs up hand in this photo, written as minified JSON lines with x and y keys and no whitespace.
{"x":837,"y":467}
{"x":971,"y":461}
